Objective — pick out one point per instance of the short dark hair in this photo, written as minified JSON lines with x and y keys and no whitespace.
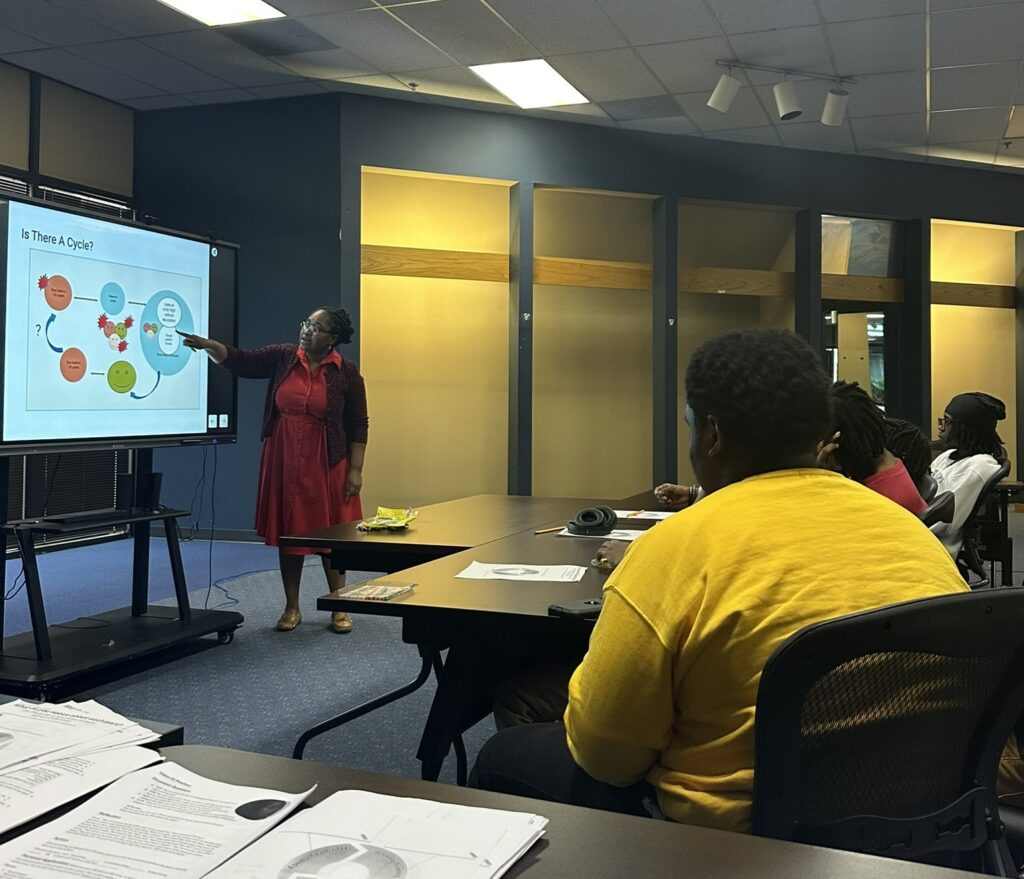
{"x":340,"y":324}
{"x":908,"y":443}
{"x":767,"y":389}
{"x":861,"y":430}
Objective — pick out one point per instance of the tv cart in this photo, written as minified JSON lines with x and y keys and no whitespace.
{"x":57,"y":661}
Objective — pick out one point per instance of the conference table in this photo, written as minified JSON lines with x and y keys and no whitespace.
{"x":469,"y":632}
{"x":577,"y":842}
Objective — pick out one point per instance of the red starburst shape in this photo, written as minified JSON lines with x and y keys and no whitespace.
{"x":43,"y":281}
{"x":102,"y":322}
{"x":128,"y":321}
{"x":122,"y":346}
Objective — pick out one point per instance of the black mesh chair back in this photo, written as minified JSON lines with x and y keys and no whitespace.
{"x":939,"y":510}
{"x":881,"y":732}
{"x":927,"y":487}
{"x":983,"y":529}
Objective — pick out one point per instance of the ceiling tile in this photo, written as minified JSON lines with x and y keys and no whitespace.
{"x":688,"y":66}
{"x":974,"y":151}
{"x":664,"y":125}
{"x":977,"y":36}
{"x":453,"y":82}
{"x":64,"y":67}
{"x":607,"y":76}
{"x":953,"y":126}
{"x":742,"y":16}
{"x":904,"y":153}
{"x":52,"y":24}
{"x":332,"y":64}
{"x":379,"y":39}
{"x":878,"y":45}
{"x":146,"y":64}
{"x":131,"y":18}
{"x":883,"y":132}
{"x":287,"y":90}
{"x":815,"y":136}
{"x":217,"y":55}
{"x":1015,"y":128}
{"x":887,"y":94}
{"x":802,"y":48}
{"x":845,"y":10}
{"x":653,"y":107}
{"x":561,"y":28}
{"x":158,"y":102}
{"x":766,"y":134}
{"x":282,"y":36}
{"x":944,"y":5}
{"x":299,"y":8}
{"x":661,"y":21}
{"x":220,"y":96}
{"x":746,"y":111}
{"x":468,"y":31}
{"x":1011,"y":154}
{"x":984,"y":85}
{"x":12,"y":41}
{"x":373,"y":80}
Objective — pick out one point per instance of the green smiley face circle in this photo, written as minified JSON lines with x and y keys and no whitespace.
{"x":121,"y":377}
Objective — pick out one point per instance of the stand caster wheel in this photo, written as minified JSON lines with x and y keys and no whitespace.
{"x":226,"y":636}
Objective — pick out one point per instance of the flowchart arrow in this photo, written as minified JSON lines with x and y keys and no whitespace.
{"x":135,"y":396}
{"x":52,"y":318}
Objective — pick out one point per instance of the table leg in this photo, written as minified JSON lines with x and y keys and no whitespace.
{"x":177,"y":570}
{"x":34,"y":592}
{"x":428,"y":656}
{"x":140,"y":569}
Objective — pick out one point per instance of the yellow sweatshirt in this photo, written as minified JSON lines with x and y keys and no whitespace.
{"x":699,"y":603}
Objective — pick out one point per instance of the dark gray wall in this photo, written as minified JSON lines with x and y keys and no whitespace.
{"x":281,"y":178}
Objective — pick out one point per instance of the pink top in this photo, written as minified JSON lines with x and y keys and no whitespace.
{"x":896,"y":484}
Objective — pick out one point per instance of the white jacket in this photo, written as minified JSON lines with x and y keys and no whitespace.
{"x":965,"y":478}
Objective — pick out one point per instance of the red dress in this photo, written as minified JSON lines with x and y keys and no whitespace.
{"x":297,"y":491}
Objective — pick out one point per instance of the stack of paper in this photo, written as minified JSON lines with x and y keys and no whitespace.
{"x":163,"y":822}
{"x":356,"y":833}
{"x":53,"y":754}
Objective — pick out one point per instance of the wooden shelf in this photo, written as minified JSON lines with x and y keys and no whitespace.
{"x":417,"y":262}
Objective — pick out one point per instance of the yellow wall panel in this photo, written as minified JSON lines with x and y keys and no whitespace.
{"x":972,"y":254}
{"x":14,"y":110}
{"x":85,"y":139}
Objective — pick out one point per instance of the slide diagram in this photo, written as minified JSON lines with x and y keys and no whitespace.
{"x":103,"y":335}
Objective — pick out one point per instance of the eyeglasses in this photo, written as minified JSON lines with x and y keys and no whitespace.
{"x":944,"y":422}
{"x":312,"y":326}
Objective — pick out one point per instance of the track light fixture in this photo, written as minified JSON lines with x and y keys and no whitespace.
{"x":725,"y":93}
{"x":786,"y":101}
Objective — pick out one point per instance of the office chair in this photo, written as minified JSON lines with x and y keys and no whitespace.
{"x":983,"y":534}
{"x":881,"y":732}
{"x":939,"y":510}
{"x":927,"y":487}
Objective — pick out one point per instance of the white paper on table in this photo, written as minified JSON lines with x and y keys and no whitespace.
{"x":657,"y":515}
{"x":625,"y":534}
{"x":162,"y":823}
{"x":27,"y":793}
{"x":516,"y":571}
{"x":357,"y":833}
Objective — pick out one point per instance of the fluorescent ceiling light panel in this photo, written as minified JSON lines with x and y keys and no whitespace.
{"x":530,"y":84}
{"x":215,"y":12}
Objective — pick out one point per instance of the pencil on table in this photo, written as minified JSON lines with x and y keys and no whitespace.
{"x":549,"y":530}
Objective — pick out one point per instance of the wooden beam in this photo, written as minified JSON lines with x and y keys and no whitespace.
{"x":989,"y":295}
{"x":418,"y":262}
{"x":561,"y":272}
{"x":861,"y":288}
{"x":741,"y":282}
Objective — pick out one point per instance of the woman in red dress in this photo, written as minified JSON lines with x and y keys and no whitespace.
{"x":314,"y":432}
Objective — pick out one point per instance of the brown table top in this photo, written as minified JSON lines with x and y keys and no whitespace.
{"x":455,"y":524}
{"x":438,"y":590}
{"x":578,"y":842}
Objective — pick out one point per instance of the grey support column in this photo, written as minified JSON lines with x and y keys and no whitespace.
{"x":350,"y":248}
{"x":807,"y":304}
{"x":665,"y":337}
{"x":520,"y":341}
{"x":916,"y":327}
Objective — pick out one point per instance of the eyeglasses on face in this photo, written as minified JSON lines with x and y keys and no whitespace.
{"x":944,"y":422}
{"x":312,"y":326}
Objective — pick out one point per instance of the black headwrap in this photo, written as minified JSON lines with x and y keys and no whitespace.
{"x":978,"y":409}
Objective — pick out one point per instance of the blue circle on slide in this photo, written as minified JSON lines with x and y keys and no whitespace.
{"x":112,"y":298}
{"x":164,"y":314}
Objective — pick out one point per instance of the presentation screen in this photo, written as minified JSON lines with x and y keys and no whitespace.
{"x":92,"y":355}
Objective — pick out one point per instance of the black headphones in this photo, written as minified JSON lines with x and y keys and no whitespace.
{"x":593,"y":522}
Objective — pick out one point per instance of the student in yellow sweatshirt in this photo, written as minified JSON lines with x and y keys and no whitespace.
{"x":661,"y":710}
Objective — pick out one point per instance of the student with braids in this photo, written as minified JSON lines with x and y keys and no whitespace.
{"x":974,"y":453}
{"x":861,"y":451}
{"x":662,"y":705}
{"x":314,"y":432}
{"x":910,"y":445}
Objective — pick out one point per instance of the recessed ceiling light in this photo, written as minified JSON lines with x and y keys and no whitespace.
{"x":530,"y":84}
{"x":215,"y":12}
